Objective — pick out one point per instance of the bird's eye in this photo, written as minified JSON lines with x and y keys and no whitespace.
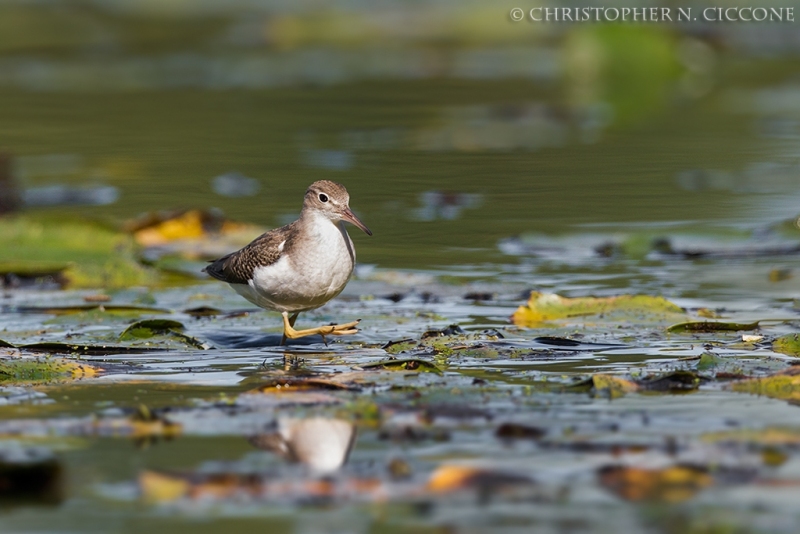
{"x":323,"y":197}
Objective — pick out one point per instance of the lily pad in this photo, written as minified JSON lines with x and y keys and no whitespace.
{"x":84,"y":253}
{"x":66,"y":310}
{"x":788,"y":344}
{"x":42,"y":370}
{"x":612,"y":386}
{"x":548,"y":307}
{"x":73,"y":348}
{"x":711,"y":326}
{"x":783,"y":386}
{"x":151,"y":328}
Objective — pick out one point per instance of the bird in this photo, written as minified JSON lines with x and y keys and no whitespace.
{"x":300,"y":266}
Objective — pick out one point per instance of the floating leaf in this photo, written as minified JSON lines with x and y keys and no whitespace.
{"x":74,"y":348}
{"x":711,"y":326}
{"x":673,"y":484}
{"x":612,"y":386}
{"x":450,"y":478}
{"x":393,"y":347}
{"x":788,"y":344}
{"x":708,"y":361}
{"x":781,"y":437}
{"x":80,"y":253}
{"x":410,"y":364}
{"x":6,"y":345}
{"x":65,"y":310}
{"x":42,"y":370}
{"x":286,"y":385}
{"x":547,"y":307}
{"x":780,"y":386}
{"x":150,"y":328}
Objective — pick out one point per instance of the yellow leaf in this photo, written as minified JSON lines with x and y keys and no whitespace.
{"x":548,"y":307}
{"x":613,"y":386}
{"x":157,"y":487}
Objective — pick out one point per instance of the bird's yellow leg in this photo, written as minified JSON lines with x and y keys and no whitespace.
{"x":327,"y":330}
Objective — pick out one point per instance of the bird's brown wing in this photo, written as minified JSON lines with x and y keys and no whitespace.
{"x":238,"y":267}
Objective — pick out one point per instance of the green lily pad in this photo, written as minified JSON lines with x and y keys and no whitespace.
{"x":82,"y":252}
{"x":711,"y":326}
{"x":788,"y":344}
{"x":784,"y":386}
{"x":150,"y":328}
{"x":96,"y":350}
{"x":42,"y":370}
{"x":66,"y":310}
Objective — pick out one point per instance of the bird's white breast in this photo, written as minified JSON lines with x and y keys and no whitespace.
{"x":310,"y":273}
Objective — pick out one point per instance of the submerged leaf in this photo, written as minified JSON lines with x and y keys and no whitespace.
{"x":287,"y":385}
{"x":711,"y":326}
{"x":546,"y":307}
{"x":410,"y":364}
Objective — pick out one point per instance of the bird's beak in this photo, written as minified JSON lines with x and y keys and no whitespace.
{"x":350,"y":217}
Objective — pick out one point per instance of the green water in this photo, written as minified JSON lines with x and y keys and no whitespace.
{"x":163,"y":148}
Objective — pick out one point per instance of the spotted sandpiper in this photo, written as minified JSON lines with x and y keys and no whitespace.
{"x":300,"y":266}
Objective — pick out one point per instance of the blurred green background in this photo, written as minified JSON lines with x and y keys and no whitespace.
{"x":452,"y":126}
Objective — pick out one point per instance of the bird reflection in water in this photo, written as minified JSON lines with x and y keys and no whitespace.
{"x":322,"y":444}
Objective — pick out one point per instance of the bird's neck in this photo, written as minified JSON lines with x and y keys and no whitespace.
{"x":313,"y":222}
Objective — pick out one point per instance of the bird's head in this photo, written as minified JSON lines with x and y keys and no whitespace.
{"x":331,"y":200}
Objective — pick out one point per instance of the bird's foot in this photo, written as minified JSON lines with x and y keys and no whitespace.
{"x":345,"y":329}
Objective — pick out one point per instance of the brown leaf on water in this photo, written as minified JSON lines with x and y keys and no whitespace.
{"x":448,"y":478}
{"x":673,"y":484}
